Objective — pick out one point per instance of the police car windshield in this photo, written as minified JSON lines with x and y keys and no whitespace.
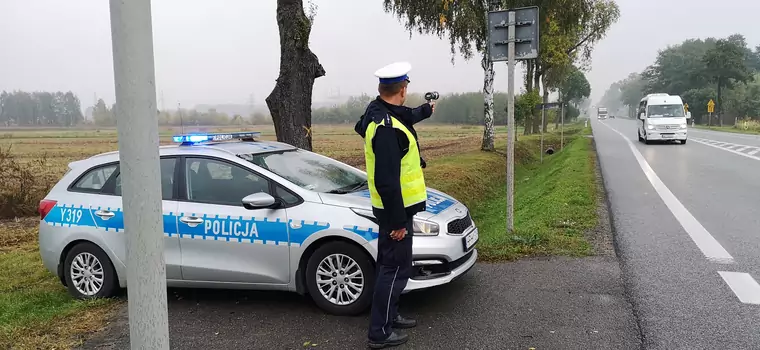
{"x":310,"y":171}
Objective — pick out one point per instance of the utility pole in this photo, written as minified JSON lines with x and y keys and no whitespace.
{"x":511,"y":124}
{"x":134,"y":78}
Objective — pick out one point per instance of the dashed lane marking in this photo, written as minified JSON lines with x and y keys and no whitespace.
{"x":742,"y":150}
{"x":743,"y":285}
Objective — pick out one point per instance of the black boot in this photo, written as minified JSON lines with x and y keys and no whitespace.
{"x":395,"y":339}
{"x":401,"y":323}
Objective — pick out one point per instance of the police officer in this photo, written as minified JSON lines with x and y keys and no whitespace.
{"x":397,"y":190}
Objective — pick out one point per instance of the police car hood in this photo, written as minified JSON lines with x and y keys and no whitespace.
{"x":437,"y":202}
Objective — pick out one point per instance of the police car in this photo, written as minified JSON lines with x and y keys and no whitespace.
{"x":246,"y":214}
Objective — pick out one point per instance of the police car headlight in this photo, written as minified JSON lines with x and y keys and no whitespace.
{"x":683,"y":126}
{"x":650,"y":127}
{"x":425,"y":228}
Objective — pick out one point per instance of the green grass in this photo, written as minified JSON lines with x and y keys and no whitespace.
{"x":737,"y":130}
{"x":555,"y":202}
{"x":36,"y":311}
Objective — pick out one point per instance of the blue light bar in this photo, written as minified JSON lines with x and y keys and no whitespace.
{"x":199,"y":138}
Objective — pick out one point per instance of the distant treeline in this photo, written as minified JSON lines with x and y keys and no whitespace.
{"x":39,"y":108}
{"x":457,"y":108}
{"x":464,"y":108}
{"x":63,"y":109}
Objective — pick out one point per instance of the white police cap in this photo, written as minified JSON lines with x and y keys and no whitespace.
{"x":394,"y":72}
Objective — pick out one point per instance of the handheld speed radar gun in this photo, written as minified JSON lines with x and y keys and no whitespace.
{"x":431,"y":96}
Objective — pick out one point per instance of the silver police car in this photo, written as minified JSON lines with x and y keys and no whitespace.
{"x":246,"y":214}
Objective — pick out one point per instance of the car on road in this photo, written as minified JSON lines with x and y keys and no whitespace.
{"x":240,"y":213}
{"x":662,"y":117}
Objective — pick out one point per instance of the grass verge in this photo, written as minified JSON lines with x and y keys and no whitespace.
{"x":555,"y":202}
{"x":36,"y":311}
{"x":751,"y":127}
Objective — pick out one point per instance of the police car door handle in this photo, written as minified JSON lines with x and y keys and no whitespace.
{"x":191,"y":220}
{"x":105,"y":214}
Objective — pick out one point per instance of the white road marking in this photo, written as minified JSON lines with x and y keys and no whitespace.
{"x":744,"y":286}
{"x":704,"y":142}
{"x":743,"y":149}
{"x":752,"y":153}
{"x":709,"y":246}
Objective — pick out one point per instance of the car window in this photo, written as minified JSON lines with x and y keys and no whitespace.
{"x":287,"y":197}
{"x":310,"y":171}
{"x":167,"y":179}
{"x":212,"y":181}
{"x":95,"y":179}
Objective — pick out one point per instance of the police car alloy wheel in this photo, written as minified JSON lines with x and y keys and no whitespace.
{"x":89,"y":273}
{"x":340,"y":278}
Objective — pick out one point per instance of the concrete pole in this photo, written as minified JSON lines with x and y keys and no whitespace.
{"x":562,"y":123}
{"x":511,"y":125}
{"x":137,"y":125}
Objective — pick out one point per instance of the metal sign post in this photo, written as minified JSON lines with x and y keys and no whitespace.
{"x":137,"y":126}
{"x":512,"y":35}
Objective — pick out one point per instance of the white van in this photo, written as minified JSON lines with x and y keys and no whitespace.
{"x":663,"y":118}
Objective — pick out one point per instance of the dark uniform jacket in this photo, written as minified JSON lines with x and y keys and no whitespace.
{"x":389,"y":146}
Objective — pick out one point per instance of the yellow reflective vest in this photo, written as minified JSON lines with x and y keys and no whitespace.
{"x":413,"y":188}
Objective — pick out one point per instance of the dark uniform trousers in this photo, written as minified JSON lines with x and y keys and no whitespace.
{"x":394,"y":268}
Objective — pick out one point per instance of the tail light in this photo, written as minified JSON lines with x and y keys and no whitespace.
{"x":46,"y":205}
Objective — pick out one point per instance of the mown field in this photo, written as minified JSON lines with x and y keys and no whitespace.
{"x":555,"y":207}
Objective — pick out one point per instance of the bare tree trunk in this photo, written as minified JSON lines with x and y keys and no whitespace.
{"x":488,"y":75}
{"x":545,"y":100}
{"x":720,"y":102}
{"x":528,"y":122}
{"x":290,"y":101}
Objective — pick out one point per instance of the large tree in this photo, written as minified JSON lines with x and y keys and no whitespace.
{"x":464,"y":24}
{"x":290,"y":101}
{"x":726,"y":64}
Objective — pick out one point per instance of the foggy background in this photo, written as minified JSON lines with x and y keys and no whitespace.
{"x":227,"y":51}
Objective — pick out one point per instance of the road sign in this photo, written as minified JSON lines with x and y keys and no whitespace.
{"x":710,"y":106}
{"x":526,"y":33}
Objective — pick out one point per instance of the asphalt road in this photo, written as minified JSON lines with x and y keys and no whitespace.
{"x":686,"y":222}
{"x":557,"y":303}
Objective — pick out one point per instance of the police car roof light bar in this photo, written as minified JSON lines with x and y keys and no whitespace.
{"x":192,"y":139}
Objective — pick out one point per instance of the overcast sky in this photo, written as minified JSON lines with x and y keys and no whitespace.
{"x":222,"y":51}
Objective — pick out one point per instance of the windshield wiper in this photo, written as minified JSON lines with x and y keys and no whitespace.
{"x":359,"y":186}
{"x":349,"y":189}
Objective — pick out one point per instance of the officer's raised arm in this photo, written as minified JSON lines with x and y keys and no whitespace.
{"x":422,"y":112}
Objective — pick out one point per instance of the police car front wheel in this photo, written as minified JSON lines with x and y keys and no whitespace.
{"x":340,"y":278}
{"x":89,"y":273}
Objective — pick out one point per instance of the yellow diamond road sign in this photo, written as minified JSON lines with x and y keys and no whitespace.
{"x":711,"y":106}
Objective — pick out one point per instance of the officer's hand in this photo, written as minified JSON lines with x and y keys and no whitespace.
{"x":432,"y":105}
{"x":398,"y":234}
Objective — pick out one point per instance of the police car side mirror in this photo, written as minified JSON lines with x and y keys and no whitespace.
{"x":259,"y":200}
